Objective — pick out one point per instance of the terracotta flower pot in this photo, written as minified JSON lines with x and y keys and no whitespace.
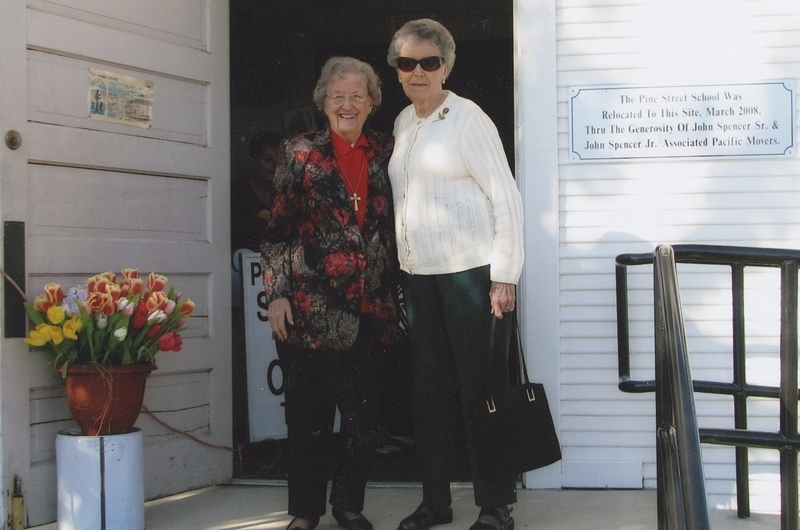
{"x":106,"y":399}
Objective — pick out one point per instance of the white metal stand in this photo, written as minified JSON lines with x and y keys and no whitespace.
{"x":100,"y":481}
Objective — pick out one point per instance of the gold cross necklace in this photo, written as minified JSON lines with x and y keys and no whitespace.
{"x":354,"y":197}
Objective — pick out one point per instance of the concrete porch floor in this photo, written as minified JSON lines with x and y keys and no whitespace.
{"x":258,"y":507}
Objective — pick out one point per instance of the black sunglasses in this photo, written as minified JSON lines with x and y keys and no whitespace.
{"x":429,"y":64}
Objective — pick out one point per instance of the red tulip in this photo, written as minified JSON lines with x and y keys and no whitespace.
{"x":187,"y":307}
{"x":128,"y":274}
{"x":156,"y":282}
{"x":101,"y":303}
{"x":139,"y":317}
{"x":52,"y":295}
{"x":171,"y":341}
{"x":41,"y":303}
{"x":156,"y":300}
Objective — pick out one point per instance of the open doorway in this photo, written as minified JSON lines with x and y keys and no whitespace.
{"x":277,"y":50}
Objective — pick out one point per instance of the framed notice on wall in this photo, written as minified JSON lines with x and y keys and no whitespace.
{"x":617,"y":123}
{"x":120,"y":99}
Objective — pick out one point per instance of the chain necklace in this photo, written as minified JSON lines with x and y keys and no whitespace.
{"x":354,"y":197}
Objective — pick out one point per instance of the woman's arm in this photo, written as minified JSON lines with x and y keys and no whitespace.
{"x":483,"y":155}
{"x":503,"y":297}
{"x":276,"y":247}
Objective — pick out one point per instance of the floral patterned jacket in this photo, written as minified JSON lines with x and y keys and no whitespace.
{"x":315,"y":254}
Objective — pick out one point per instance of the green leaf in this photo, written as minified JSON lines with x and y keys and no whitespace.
{"x":34,"y":314}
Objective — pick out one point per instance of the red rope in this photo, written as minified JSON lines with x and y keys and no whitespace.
{"x":188,"y":435}
{"x":12,"y":282}
{"x":237,"y":451}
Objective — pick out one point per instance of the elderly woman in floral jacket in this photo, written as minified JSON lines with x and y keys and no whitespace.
{"x":331,"y":275}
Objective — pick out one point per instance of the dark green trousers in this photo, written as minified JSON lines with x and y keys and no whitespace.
{"x":450,"y":319}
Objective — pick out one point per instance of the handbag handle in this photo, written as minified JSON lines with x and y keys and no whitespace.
{"x":514,"y":331}
{"x":520,"y":355}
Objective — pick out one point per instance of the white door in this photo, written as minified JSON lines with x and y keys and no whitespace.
{"x":97,"y":195}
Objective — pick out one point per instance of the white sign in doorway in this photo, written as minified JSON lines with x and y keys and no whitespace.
{"x":264,"y":373}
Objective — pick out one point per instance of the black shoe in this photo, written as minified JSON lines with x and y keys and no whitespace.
{"x":359,"y":523}
{"x":424,"y":517}
{"x":493,"y":519}
{"x":311,"y":526}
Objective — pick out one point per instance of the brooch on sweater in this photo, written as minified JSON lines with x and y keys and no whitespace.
{"x":444,"y":113}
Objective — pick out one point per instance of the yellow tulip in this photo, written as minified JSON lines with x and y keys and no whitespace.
{"x":56,"y":335}
{"x":38,"y":337}
{"x":71,"y":328}
{"x":55,"y":314}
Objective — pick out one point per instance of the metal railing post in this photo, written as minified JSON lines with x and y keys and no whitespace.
{"x":788,"y":395}
{"x":682,"y":415}
{"x":740,"y":381}
{"x":669,"y":505}
{"x":672,"y":404}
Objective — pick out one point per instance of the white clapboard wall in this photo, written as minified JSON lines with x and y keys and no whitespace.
{"x":615,"y":207}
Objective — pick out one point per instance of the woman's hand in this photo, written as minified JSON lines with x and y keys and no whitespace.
{"x":503,"y":297}
{"x":279,"y":313}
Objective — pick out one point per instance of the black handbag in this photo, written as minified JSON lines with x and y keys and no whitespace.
{"x":512,"y":430}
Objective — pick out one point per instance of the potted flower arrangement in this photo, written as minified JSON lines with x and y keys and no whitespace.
{"x":104,"y":336}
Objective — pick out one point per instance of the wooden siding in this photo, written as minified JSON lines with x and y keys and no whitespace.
{"x":610,"y":208}
{"x":101,"y":196}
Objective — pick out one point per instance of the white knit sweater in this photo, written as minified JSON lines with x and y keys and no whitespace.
{"x":456,"y":204}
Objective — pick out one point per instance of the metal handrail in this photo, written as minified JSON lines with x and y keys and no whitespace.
{"x":682,"y":503}
{"x":786,"y":440}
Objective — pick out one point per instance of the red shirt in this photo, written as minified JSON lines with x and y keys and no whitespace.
{"x":352,"y":162}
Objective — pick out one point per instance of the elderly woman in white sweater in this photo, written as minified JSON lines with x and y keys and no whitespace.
{"x":458,"y":218}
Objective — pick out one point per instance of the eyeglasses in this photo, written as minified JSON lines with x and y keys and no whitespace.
{"x":356,"y":98}
{"x":429,"y":64}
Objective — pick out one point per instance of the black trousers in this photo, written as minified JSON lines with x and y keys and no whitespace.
{"x":395,"y":392}
{"x":316,"y":383}
{"x":449,"y":319}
